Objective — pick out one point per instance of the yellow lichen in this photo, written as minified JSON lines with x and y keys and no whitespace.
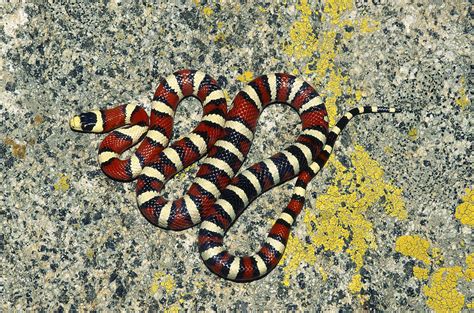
{"x":388,"y":150}
{"x":335,"y":8}
{"x":154,"y":287}
{"x":463,"y":100}
{"x":163,"y":280}
{"x":168,"y":284}
{"x":355,"y":285}
{"x":317,"y":54}
{"x":245,"y":77}
{"x":413,"y":246}
{"x":331,"y":233}
{"x":174,"y":308}
{"x":413,"y":134}
{"x":296,"y":253}
{"x":469,"y":272}
{"x":303,"y":41}
{"x":327,"y":51}
{"x":324,"y":274}
{"x":90,"y":253}
{"x":395,"y":205}
{"x":220,"y":37}
{"x":207,"y":11}
{"x":62,"y":184}
{"x":442,"y":293}
{"x":262,"y":9}
{"x":436,"y":255}
{"x":369,"y":26}
{"x":333,"y":89}
{"x":420,"y":273}
{"x":340,"y":223}
{"x":342,"y":208}
{"x":465,"y":211}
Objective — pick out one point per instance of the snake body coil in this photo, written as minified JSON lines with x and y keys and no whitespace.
{"x":217,"y":196}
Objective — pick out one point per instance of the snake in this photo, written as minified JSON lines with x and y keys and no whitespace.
{"x":219,"y":193}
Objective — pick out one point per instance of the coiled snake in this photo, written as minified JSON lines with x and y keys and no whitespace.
{"x":217,"y":196}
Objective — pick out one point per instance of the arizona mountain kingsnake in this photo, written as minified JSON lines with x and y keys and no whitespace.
{"x":217,"y":196}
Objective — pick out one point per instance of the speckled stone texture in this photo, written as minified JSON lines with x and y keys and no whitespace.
{"x":73,"y":239}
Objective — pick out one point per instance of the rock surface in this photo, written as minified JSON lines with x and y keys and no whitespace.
{"x":383,"y":221}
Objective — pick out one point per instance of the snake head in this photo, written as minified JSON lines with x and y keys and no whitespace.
{"x":85,"y":122}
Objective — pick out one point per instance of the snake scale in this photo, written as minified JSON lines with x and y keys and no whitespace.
{"x":219,"y":193}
